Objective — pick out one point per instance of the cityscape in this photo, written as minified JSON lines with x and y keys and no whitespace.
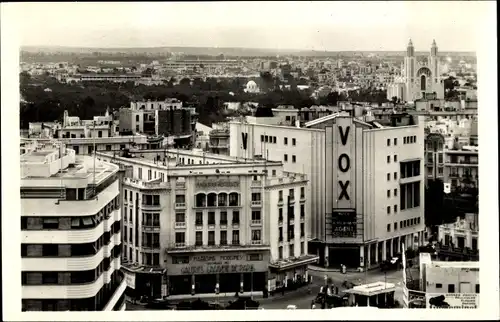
{"x":188,"y":177}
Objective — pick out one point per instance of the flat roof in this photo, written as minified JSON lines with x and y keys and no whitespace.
{"x":372,"y":288}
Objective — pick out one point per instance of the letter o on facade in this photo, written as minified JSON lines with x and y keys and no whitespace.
{"x":344,"y":162}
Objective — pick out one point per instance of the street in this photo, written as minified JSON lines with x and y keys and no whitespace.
{"x":301,"y":297}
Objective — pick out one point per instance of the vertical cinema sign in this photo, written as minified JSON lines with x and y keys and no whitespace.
{"x":344,"y":160}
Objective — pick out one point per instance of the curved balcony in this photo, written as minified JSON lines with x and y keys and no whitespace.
{"x":75,"y":236}
{"x":116,"y":297}
{"x":63,"y":291}
{"x":73,"y":263}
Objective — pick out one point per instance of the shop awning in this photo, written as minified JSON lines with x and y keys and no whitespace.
{"x":291,"y":263}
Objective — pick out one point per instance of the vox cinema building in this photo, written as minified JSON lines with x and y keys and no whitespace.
{"x":365,"y":180}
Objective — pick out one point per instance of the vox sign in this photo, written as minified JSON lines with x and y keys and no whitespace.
{"x":345,"y":150}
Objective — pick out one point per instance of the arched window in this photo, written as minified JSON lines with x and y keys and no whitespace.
{"x":233,"y":199}
{"x":422,"y":82}
{"x":222,"y":199}
{"x":212,"y":200}
{"x":201,"y":200}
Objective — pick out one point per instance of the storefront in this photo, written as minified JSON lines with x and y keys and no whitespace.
{"x":225,"y":272}
{"x":290,"y":274}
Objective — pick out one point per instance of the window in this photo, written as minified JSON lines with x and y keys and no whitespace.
{"x":199,"y":238}
{"x":255,"y":196}
{"x":286,"y":141}
{"x":280,"y":234}
{"x":180,"y":237}
{"x":388,"y":210}
{"x":414,"y":139}
{"x":286,"y":157}
{"x":274,"y":139}
{"x":233,"y":199}
{"x":262,"y":138}
{"x":395,"y":192}
{"x":223,"y":237}
{"x":180,"y":217}
{"x":266,"y":138}
{"x":256,"y":215}
{"x":291,"y":251}
{"x":280,"y":216}
{"x":254,"y":257}
{"x":395,"y":208}
{"x":294,"y":159}
{"x":395,"y":175}
{"x":451,"y":288}
{"x":477,"y":288}
{"x":388,"y":159}
{"x":388,"y":227}
{"x":280,"y":253}
{"x":256,"y":235}
{"x":293,"y":141}
{"x":439,"y":285}
{"x":302,"y":248}
{"x":395,"y":141}
{"x":180,"y":199}
{"x":211,"y":218}
{"x":395,"y":158}
{"x":223,"y":217}
{"x":156,"y":259}
{"x":302,"y":230}
{"x":302,"y":211}
{"x":388,"y":142}
{"x":211,"y":238}
{"x":280,"y":195}
{"x":388,"y":193}
{"x":201,"y":200}
{"x":388,"y":177}
{"x":395,"y":226}
{"x":302,"y":192}
{"x":274,"y":173}
{"x":236,"y":237}
{"x":236,"y":217}
{"x":291,"y":194}
{"x":199,"y":219}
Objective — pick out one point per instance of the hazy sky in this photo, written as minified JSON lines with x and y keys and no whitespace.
{"x":384,"y":25}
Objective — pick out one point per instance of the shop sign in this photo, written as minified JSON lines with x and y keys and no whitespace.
{"x":218,"y":268}
{"x":130,"y":279}
{"x":452,"y":300}
{"x":217,"y":183}
{"x":344,"y":223}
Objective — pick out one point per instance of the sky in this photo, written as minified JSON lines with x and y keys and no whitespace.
{"x":307,"y":25}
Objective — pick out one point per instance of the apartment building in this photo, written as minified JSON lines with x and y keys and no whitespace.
{"x":196,"y":222}
{"x":365,"y":180}
{"x":71,"y":235}
{"x":460,"y":240}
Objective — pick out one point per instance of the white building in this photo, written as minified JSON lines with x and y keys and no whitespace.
{"x":198,"y":220}
{"x":461,"y":234}
{"x":449,"y":284}
{"x":418,"y":79}
{"x":71,"y":240}
{"x":365,"y":180}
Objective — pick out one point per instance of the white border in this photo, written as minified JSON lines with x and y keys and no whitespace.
{"x":489,"y":273}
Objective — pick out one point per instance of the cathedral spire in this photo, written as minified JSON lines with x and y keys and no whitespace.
{"x":410,"y":51}
{"x":434,"y":48}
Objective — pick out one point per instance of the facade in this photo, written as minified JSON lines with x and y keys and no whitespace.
{"x":219,"y":140}
{"x":418,"y":79}
{"x":194,"y":222}
{"x":459,"y":240}
{"x":160,"y":118}
{"x":365,"y":205}
{"x":71,"y":232}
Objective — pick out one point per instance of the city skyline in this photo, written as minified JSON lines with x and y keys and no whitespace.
{"x":320,"y":26}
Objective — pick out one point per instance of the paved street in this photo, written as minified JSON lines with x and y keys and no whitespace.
{"x":302,"y":298}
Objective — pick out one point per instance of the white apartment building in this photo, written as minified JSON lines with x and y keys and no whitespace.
{"x":365,"y":180}
{"x":71,"y":241}
{"x":199,"y":220}
{"x":462,"y":234}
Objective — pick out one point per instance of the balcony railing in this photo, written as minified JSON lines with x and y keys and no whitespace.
{"x":180,"y":205}
{"x":291,"y":221}
{"x":280,"y":202}
{"x":236,"y":224}
{"x":256,"y":203}
{"x":150,"y":227}
{"x":256,"y":242}
{"x":256,"y":222}
{"x":256,"y":183}
{"x":180,"y":245}
{"x":180,"y":224}
{"x":150,"y":206}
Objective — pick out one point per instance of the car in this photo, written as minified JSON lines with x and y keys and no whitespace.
{"x":291,"y":307}
{"x":391,"y":264}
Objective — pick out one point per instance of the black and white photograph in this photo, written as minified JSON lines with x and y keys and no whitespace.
{"x":272,"y":160}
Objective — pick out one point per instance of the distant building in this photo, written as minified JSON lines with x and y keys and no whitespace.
{"x":418,"y":79}
{"x":460,"y":240}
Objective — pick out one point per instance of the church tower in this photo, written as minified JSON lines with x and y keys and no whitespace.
{"x":434,"y":62}
{"x":409,"y":62}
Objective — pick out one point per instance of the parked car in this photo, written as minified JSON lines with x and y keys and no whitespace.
{"x":391,"y":264}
